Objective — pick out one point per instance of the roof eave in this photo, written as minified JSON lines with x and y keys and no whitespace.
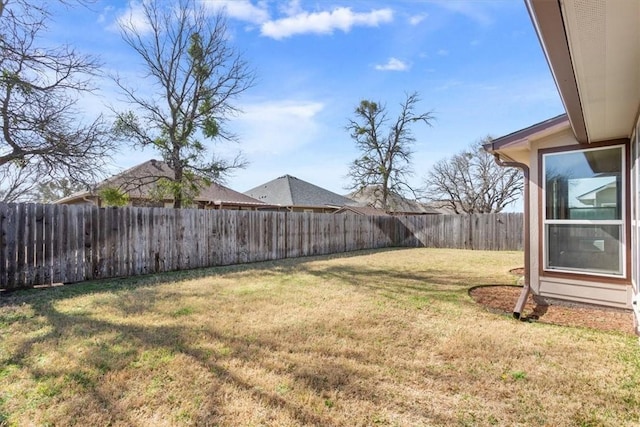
{"x":73,"y":197}
{"x":524,"y":136}
{"x":546,"y":17}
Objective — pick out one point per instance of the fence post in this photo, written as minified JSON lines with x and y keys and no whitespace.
{"x":43,"y":244}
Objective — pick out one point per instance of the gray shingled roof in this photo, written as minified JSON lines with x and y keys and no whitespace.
{"x":139,"y":181}
{"x":369,"y":196}
{"x":288,"y":190}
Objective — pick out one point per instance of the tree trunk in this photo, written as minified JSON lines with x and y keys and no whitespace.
{"x":177,"y":184}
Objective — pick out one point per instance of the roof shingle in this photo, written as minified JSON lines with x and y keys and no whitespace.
{"x":288,"y":190}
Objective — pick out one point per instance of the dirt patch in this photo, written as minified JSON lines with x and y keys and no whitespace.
{"x":502,"y":299}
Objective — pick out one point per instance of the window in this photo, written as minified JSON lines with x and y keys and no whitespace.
{"x":584,"y":211}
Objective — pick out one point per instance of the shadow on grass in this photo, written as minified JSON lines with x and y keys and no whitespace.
{"x":437,"y":284}
{"x":174,"y":340}
{"x":317,"y":370}
{"x":433,"y":283}
{"x":58,"y":292}
{"x":122,"y":344}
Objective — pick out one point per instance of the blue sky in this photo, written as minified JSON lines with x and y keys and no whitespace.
{"x":477,"y":66}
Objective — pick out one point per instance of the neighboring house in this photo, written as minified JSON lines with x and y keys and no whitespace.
{"x":587,"y":160}
{"x":603,"y":196}
{"x":361,"y":210}
{"x":398,"y":205}
{"x":445,"y":207}
{"x":139,"y":183}
{"x":292,"y":194}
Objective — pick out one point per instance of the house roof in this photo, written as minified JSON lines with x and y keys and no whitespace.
{"x":369,"y":196}
{"x":593,"y":50}
{"x":140,"y":180}
{"x":592,"y":194}
{"x":288,"y":190}
{"x":219,"y":194}
{"x":525,"y":135}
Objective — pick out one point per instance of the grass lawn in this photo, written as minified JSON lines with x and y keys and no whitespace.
{"x":372,"y":338}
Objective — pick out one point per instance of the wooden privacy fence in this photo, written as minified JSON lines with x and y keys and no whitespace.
{"x":491,"y":232}
{"x":44,"y":244}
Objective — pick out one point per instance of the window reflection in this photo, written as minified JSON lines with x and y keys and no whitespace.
{"x":584,"y":185}
{"x":584,"y":211}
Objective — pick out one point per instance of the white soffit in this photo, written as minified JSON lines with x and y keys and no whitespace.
{"x":604,"y":41}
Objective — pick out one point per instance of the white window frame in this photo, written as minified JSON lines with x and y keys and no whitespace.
{"x":620,"y":222}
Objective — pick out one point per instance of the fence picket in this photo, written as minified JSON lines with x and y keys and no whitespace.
{"x":4,"y":224}
{"x":44,"y":244}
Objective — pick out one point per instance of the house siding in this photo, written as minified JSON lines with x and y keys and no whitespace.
{"x":600,"y":293}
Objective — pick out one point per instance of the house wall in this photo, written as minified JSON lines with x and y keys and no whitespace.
{"x":147,"y":203}
{"x":229,"y":207}
{"x":304,"y":209}
{"x":310,"y":209}
{"x":634,"y":186}
{"x":572,"y":287}
{"x":166,"y":203}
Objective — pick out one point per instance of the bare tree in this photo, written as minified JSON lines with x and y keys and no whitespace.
{"x":471,"y":182}
{"x":53,"y":189}
{"x":29,"y":184}
{"x":18,"y":184}
{"x":41,"y":129}
{"x":386,"y":149}
{"x":197,"y":74}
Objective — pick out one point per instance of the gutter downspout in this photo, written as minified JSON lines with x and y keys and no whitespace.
{"x":517,"y":311}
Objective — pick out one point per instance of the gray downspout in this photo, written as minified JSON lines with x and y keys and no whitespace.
{"x":517,"y":311}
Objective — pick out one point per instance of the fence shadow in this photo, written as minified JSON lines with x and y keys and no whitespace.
{"x":48,"y":244}
{"x":60,"y":291}
{"x":318,"y":370}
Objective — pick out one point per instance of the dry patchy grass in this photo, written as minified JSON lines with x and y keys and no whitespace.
{"x":376,"y":338}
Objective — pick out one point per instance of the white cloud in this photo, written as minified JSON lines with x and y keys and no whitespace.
{"x":341,"y":18}
{"x":276,"y":127}
{"x":106,"y":12}
{"x":393,"y":64}
{"x":134,"y":19}
{"x":292,"y":8}
{"x":443,"y":52}
{"x":242,"y":10}
{"x":416,"y":19}
{"x":476,"y":11}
